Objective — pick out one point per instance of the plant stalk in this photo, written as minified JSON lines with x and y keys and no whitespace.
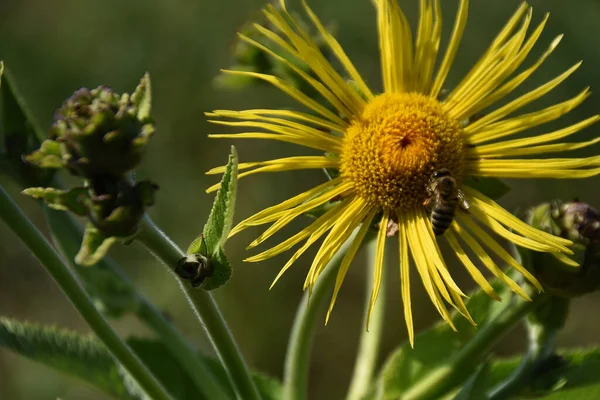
{"x":16,"y":220}
{"x":368,"y":348}
{"x":206,"y":310}
{"x":65,"y":233}
{"x":297,"y":360}
{"x":443,"y":379}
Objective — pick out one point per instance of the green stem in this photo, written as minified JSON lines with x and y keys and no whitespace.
{"x":14,"y":217}
{"x":368,"y":348}
{"x":205,"y":309}
{"x":443,"y":379}
{"x":540,"y":343}
{"x":66,"y":234}
{"x":297,"y":360}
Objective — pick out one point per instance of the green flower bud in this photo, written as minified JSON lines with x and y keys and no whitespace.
{"x":116,"y":207}
{"x":101,"y":133}
{"x":559,"y":275}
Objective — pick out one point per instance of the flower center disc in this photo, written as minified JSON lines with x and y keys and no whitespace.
{"x":391,"y":150}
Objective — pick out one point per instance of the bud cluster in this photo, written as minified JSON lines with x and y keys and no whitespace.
{"x":580,"y":223}
{"x":99,"y":135}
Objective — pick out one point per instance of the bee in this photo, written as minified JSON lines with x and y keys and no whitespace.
{"x":444,"y":198}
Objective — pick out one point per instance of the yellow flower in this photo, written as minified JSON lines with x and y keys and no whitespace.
{"x":387,"y":146}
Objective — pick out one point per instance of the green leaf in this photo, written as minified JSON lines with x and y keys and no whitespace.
{"x":164,"y":366}
{"x":19,"y":134}
{"x":81,"y":356}
{"x":477,"y":385}
{"x":220,"y":219}
{"x":64,"y":200}
{"x":491,"y":187}
{"x":47,"y":156}
{"x":221,"y":272}
{"x":142,"y":98}
{"x":95,"y":245}
{"x":111,"y":292}
{"x":435,"y":346}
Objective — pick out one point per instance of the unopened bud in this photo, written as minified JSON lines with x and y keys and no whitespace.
{"x":558,"y":274}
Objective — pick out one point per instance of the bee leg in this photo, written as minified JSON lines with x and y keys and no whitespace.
{"x":462,"y":201}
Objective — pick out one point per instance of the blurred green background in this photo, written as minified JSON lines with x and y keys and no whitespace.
{"x":55,"y":47}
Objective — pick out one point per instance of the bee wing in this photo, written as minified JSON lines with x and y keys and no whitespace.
{"x":462,"y":201}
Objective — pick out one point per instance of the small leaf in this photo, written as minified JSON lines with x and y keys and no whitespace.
{"x":48,"y":155}
{"x":573,"y":375}
{"x":221,"y":272}
{"x":142,"y":98}
{"x":220,"y":219}
{"x":81,"y":356}
{"x":433,"y":347}
{"x":477,"y":385}
{"x":492,"y":187}
{"x":19,"y":134}
{"x":112,"y":293}
{"x":64,"y":200}
{"x":94,"y":246}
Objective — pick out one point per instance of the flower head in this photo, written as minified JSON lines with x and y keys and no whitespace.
{"x":386,"y":149}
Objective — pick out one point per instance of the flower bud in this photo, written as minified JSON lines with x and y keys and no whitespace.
{"x":101,"y":132}
{"x":116,"y":207}
{"x":580,"y":223}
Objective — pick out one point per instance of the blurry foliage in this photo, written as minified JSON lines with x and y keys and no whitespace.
{"x":56,"y":47}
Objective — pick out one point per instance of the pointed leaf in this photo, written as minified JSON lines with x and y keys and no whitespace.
{"x":492,"y":187}
{"x":221,"y":272}
{"x":48,"y":155}
{"x":142,"y":98}
{"x":94,"y":246}
{"x":220,"y":219}
{"x":64,"y":200}
{"x":19,"y":134}
{"x":81,"y":356}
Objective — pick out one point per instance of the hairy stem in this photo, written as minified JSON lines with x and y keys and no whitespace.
{"x":14,"y":217}
{"x":66,"y":234}
{"x":297,"y":360}
{"x":368,"y":348}
{"x":443,"y":379}
{"x":206,"y":310}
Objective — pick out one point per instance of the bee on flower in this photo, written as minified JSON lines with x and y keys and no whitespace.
{"x":388,"y":146}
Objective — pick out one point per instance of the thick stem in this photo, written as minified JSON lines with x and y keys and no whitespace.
{"x":14,"y":217}
{"x":368,"y":348}
{"x":206,"y":310}
{"x":441,"y":380}
{"x":540,"y":344}
{"x":297,"y":360}
{"x":66,"y":231}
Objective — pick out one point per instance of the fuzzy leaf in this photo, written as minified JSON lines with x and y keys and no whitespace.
{"x":64,"y":200}
{"x":19,"y":134}
{"x":433,"y":347}
{"x":142,"y":98}
{"x":81,"y":356}
{"x":220,"y":219}
{"x":109,"y":289}
{"x":48,"y":155}
{"x":94,"y":246}
{"x":492,"y":187}
{"x":222,"y":272}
